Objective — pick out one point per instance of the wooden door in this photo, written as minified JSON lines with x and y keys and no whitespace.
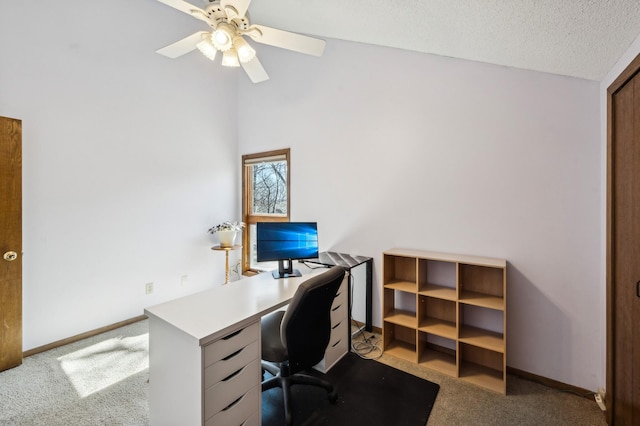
{"x":623,"y":249}
{"x":10,"y":243}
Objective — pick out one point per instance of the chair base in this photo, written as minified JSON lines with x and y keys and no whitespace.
{"x":282,"y":379}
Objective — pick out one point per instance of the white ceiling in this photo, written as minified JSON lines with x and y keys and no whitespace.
{"x":579,"y":38}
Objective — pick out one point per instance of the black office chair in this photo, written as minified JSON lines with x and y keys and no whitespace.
{"x":295,"y":340}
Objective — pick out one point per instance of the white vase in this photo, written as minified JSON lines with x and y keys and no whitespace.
{"x":226,"y":238}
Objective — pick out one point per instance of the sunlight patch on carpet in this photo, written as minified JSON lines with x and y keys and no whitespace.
{"x":106,"y":363}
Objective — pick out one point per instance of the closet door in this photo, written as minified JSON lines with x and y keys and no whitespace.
{"x":10,"y":243}
{"x":623,"y":263}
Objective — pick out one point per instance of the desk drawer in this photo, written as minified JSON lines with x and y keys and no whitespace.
{"x":341,"y":295}
{"x":338,"y":333}
{"x":225,"y":392}
{"x":227,"y":345}
{"x":244,"y":411}
{"x":339,"y":313}
{"x":338,"y":345}
{"x":229,"y":364}
{"x":337,"y":348}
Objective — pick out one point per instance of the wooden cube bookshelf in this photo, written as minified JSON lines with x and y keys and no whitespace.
{"x":447,"y":312}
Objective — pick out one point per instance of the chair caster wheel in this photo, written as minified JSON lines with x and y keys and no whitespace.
{"x":333,"y":397}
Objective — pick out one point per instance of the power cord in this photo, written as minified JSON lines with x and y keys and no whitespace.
{"x":366,"y":347}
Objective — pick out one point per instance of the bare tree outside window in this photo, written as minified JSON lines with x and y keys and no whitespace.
{"x":269,"y":188}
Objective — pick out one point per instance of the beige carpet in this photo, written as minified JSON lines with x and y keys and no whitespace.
{"x":101,"y":380}
{"x":79,"y":384}
{"x":526,"y":402}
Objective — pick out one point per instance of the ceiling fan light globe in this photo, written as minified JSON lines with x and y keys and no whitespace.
{"x":207,"y":49}
{"x":222,"y":37}
{"x":245,"y":56}
{"x":245,"y":52}
{"x":230,"y":58}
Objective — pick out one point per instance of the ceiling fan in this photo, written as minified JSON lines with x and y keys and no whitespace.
{"x":229,"y":21}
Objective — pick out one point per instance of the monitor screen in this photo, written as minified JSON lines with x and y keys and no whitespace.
{"x":285,"y":241}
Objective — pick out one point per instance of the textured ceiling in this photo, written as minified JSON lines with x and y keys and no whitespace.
{"x":579,"y":38}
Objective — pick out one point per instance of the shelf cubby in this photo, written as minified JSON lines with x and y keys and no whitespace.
{"x":400,"y":341}
{"x":437,"y":353}
{"x":481,"y":327}
{"x":447,"y":312}
{"x":400,"y":273}
{"x":437,"y":279}
{"x":400,"y":307}
{"x":437,"y":316}
{"x":483,"y":367}
{"x":482,"y":286}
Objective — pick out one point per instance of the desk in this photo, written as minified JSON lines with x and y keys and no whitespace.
{"x":204,"y":351}
{"x":331,"y":258}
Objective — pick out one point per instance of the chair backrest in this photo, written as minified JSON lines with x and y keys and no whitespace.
{"x":306,"y":326}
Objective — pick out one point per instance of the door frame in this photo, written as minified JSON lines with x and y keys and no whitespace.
{"x":11,"y":244}
{"x":630,"y":71}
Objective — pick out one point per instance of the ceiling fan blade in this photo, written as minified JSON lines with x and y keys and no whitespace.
{"x":240,"y":6}
{"x":183,"y":46}
{"x":254,"y":70}
{"x":187,"y":8}
{"x":286,"y":40}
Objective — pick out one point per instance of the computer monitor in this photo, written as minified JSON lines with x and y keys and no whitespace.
{"x":285,"y":242}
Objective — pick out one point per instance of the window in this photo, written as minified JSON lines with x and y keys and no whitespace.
{"x":265,"y":198}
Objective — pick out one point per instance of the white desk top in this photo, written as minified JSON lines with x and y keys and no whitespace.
{"x":208,"y":315}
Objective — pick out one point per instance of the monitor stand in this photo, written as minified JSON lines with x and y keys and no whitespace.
{"x":285,"y":271}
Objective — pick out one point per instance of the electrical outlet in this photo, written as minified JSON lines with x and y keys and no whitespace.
{"x":184,"y":280}
{"x":148,"y":288}
{"x":600,"y":399}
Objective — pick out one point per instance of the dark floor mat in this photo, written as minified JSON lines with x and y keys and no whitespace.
{"x":369,"y":393}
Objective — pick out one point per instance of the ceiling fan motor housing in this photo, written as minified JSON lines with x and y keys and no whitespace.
{"x":217,"y":15}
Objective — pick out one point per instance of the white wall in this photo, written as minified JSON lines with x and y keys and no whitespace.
{"x":393,"y":148}
{"x":128,"y":159}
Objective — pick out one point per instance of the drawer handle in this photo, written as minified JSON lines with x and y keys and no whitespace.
{"x":228,"y":407}
{"x":232,"y":335}
{"x":232,"y":375}
{"x":336,"y":344}
{"x":336,"y":308}
{"x":336,"y":326}
{"x":228,"y":357}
